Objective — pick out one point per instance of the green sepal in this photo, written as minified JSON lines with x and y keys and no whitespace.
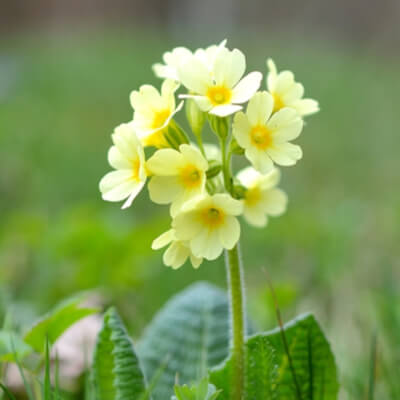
{"x":195,"y":116}
{"x":214,"y":168}
{"x":219,"y":125}
{"x":175,"y":135}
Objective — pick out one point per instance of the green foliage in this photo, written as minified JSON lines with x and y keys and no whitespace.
{"x":117,"y":374}
{"x":9,"y":395}
{"x":11,"y":346}
{"x":269,"y":372}
{"x":193,"y":329}
{"x":203,"y":391}
{"x":56,"y":322}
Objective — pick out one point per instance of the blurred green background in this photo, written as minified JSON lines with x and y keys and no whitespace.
{"x":66,"y":72}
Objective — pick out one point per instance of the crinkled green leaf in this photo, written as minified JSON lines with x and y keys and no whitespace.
{"x":56,"y":322}
{"x":117,"y":374}
{"x":203,"y":391}
{"x":193,"y":330}
{"x":11,"y":345}
{"x":269,"y":373}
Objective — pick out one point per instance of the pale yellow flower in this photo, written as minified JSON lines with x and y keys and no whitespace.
{"x":127,"y":157}
{"x":221,"y":91}
{"x":172,"y":59}
{"x":178,"y":176}
{"x":153,"y":112}
{"x":262,"y":198}
{"x":178,"y":250}
{"x":265,"y":136}
{"x":179,"y":55}
{"x":287,"y":92}
{"x":209,"y":224}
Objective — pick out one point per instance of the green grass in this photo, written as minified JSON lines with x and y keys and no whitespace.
{"x":335,"y":252}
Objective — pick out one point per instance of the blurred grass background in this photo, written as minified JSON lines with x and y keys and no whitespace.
{"x":335,"y":252}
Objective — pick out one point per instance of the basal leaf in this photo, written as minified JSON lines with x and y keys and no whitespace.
{"x":193,"y":330}
{"x":202,"y":391}
{"x":56,"y":322}
{"x":117,"y":374}
{"x":269,"y":372}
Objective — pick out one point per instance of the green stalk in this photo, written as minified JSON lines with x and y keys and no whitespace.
{"x":226,"y":166}
{"x":236,"y":288}
{"x":238,"y":320}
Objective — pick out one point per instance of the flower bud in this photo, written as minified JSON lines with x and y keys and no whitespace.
{"x":235,"y":148}
{"x":195,"y":116}
{"x":239,"y":191}
{"x":175,"y":135}
{"x":214,"y":168}
{"x":220,"y":125}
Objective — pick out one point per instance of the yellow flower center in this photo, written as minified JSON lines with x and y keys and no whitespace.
{"x":135,"y":170}
{"x":190,"y":177}
{"x":261,"y":137}
{"x":219,"y":95}
{"x":212,"y":217}
{"x":252,"y":196}
{"x":278,"y":102}
{"x":156,"y":139}
{"x":160,"y":117}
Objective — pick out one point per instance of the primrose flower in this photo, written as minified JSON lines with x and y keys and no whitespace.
{"x":209,"y":224}
{"x":174,"y":58}
{"x":127,"y":157}
{"x":178,"y":251}
{"x":153,"y":111}
{"x":262,"y":198}
{"x":265,"y":138}
{"x":222,"y":91}
{"x":178,"y":176}
{"x":288,"y":93}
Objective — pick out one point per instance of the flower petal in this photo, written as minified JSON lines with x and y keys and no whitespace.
{"x":176,"y":255}
{"x":186,"y":225}
{"x":260,"y":159}
{"x":285,"y":153}
{"x":285,"y":124}
{"x":136,"y":190}
{"x":241,"y":129}
{"x":165,"y":162}
{"x":206,"y":244}
{"x":196,"y":261}
{"x":260,"y":108}
{"x":274,"y":202}
{"x":117,"y":185}
{"x":230,"y":205}
{"x":272,"y":75}
{"x":294,"y":93}
{"x":195,"y":76}
{"x":255,"y":217}
{"x":229,"y":67}
{"x":162,"y":240}
{"x":246,"y":88}
{"x":164,"y":189}
{"x":284,"y":82}
{"x":225,"y":110}
{"x":229,"y":232}
{"x":193,"y":155}
{"x":117,"y":160}
{"x":305,"y":106}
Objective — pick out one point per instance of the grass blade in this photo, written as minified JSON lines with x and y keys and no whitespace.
{"x":47,"y":395}
{"x":7,"y":392}
{"x":21,"y":372}
{"x":372,"y":375}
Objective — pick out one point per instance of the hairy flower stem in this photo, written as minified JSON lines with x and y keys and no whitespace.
{"x":238,"y":320}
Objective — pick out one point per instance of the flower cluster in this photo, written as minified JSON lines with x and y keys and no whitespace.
{"x":196,"y":179}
